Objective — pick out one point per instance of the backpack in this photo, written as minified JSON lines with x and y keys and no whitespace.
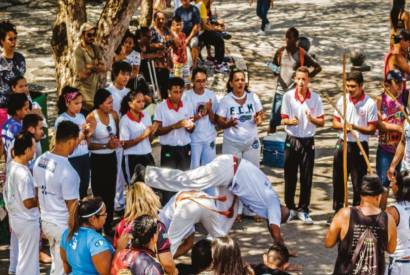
{"x":365,"y":260}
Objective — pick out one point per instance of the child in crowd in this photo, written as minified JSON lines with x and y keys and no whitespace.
{"x":69,"y":104}
{"x":275,"y":261}
{"x":179,"y":51}
{"x":17,"y":109}
{"x":19,"y":85}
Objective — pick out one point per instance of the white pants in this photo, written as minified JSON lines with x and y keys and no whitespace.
{"x":202,"y":153}
{"x":14,"y":251}
{"x":28,"y":239}
{"x":398,"y":269}
{"x":249,"y":151}
{"x":53,"y":233}
{"x":119,"y":202}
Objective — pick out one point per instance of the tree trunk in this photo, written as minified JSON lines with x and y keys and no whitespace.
{"x":70,"y":16}
{"x":147,"y":10}
{"x":112,"y":24}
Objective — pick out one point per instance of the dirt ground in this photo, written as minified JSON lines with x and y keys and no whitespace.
{"x":332,"y":26}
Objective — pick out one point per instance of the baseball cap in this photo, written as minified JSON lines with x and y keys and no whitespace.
{"x":394,"y":75}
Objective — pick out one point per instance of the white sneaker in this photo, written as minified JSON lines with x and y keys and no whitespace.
{"x":293,"y":214}
{"x":267,"y":27}
{"x":261,"y":32}
{"x":304,"y":217}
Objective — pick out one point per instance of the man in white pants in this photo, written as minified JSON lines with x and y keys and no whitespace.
{"x":58,"y":189}
{"x":241,"y":177}
{"x":187,"y":208}
{"x":22,"y":205}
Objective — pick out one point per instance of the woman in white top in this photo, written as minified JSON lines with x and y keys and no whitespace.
{"x":135,"y":132}
{"x":239,"y":114}
{"x":103,"y":157}
{"x":125,"y":52}
{"x":22,"y":205}
{"x":400,"y":211}
{"x":69,"y":106}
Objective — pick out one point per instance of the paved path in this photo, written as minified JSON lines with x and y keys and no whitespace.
{"x":332,"y":26}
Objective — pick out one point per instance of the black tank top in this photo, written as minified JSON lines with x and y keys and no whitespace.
{"x":357,"y":225}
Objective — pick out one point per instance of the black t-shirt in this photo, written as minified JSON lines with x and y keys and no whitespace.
{"x":190,"y":17}
{"x":262,"y":269}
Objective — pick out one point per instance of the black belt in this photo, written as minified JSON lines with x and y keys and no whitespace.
{"x":393,"y":260}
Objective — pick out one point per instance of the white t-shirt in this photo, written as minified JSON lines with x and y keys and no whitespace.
{"x":57,"y":181}
{"x":130,"y":128}
{"x":204,"y":129}
{"x":294,"y":107}
{"x":246,"y":130}
{"x":361,"y":113}
{"x":19,"y":187}
{"x":403,"y":230}
{"x":117,"y":96}
{"x":134,"y":58}
{"x":168,"y":116}
{"x":79,"y":119}
{"x":255,"y":191}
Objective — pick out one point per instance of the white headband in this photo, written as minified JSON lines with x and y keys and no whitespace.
{"x":95,"y":212}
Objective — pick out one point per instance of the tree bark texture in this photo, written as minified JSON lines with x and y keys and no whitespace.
{"x":112,"y":24}
{"x":147,"y":10}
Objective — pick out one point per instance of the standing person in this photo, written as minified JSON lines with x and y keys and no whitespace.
{"x":33,"y":124}
{"x":125,"y":52}
{"x":262,"y":9}
{"x":399,"y":19}
{"x":69,"y":108}
{"x":191,"y":20}
{"x":399,"y":261}
{"x":140,"y":258}
{"x":135,"y":132}
{"x":391,"y":120}
{"x":141,"y":200}
{"x":361,"y":114}
{"x":18,"y":108}
{"x":397,"y":58}
{"x":179,"y":51}
{"x":302,"y":112}
{"x":240,"y":113}
{"x":12,"y":64}
{"x":83,"y":249}
{"x":204,"y":103}
{"x":22,"y":205}
{"x":120,"y":75}
{"x":287,"y":59}
{"x":103,"y":145}
{"x":227,"y":259}
{"x":88,"y":65}
{"x":173,"y":119}
{"x":363,"y":233}
{"x":58,"y":184}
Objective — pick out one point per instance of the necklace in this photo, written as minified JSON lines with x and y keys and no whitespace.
{"x":239,"y":97}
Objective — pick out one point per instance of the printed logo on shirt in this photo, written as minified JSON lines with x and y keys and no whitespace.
{"x":255,"y":144}
{"x":245,"y":118}
{"x":99,"y":243}
{"x":242,"y":110}
{"x":73,"y":242}
{"x":362,"y":112}
{"x":45,"y":163}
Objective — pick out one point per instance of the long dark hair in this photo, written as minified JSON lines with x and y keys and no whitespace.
{"x":227,"y":257}
{"x":231,"y":75}
{"x":127,"y":99}
{"x":403,"y":192}
{"x":81,"y":212}
{"x":396,"y":9}
{"x":127,"y":34}
{"x":100,"y":97}
{"x":68,"y":94}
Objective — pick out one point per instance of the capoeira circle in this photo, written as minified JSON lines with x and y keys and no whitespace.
{"x":229,"y":175}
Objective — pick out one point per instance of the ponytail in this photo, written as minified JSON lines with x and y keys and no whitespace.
{"x":81,"y":212}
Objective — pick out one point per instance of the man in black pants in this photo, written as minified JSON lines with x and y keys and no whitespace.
{"x":361,"y":115}
{"x":173,"y":121}
{"x":302,"y":112}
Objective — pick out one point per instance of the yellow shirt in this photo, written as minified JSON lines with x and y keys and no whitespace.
{"x":203,"y":12}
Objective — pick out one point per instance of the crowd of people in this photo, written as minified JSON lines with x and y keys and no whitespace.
{"x":101,"y":166}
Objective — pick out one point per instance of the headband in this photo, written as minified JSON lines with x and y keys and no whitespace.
{"x":70,"y":96}
{"x":95,"y":212}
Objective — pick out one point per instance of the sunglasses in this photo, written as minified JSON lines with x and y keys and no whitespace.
{"x":109,"y":129}
{"x":90,"y":34}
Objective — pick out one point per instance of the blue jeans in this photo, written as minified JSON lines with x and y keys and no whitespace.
{"x":276,"y":108}
{"x":262,"y":8}
{"x":383,"y":161}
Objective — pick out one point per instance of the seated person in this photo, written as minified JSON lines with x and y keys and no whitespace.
{"x":201,"y":259}
{"x":275,"y":261}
